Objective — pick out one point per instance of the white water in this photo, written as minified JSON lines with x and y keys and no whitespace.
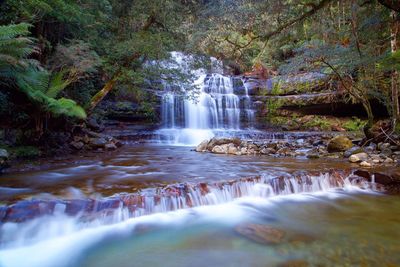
{"x":193,"y":114}
{"x":173,"y":198}
{"x":63,"y":250}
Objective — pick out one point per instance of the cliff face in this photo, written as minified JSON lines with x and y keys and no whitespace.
{"x":306,"y":101}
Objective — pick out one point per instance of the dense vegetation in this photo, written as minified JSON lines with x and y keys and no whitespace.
{"x":59,"y":59}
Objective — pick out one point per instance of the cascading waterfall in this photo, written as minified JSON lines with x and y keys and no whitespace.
{"x":210,"y":106}
{"x":182,"y":196}
{"x":247,"y":105}
{"x":56,"y":232}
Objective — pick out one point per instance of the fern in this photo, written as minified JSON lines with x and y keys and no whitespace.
{"x":43,"y":87}
{"x":15,"y":48}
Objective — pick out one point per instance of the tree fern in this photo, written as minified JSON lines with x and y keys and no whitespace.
{"x":43,"y":87}
{"x":15,"y":48}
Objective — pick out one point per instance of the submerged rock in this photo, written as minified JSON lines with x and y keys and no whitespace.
{"x":339,"y":144}
{"x":263,"y":234}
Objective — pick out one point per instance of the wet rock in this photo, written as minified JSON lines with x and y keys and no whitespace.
{"x":77,"y":145}
{"x":110,"y":147}
{"x":387,"y":152}
{"x":3,"y":212}
{"x":313,"y":155}
{"x":358,"y":157}
{"x":98,"y":142}
{"x":202,"y":147}
{"x":4,"y":156}
{"x":27,"y":210}
{"x":218,"y":150}
{"x":339,"y":144}
{"x":388,"y":161}
{"x":94,"y":125}
{"x":267,"y":151}
{"x":353,"y":150}
{"x":232,"y":149}
{"x":222,"y":141}
{"x":365,"y":164}
{"x":383,"y":146}
{"x":263,"y":234}
{"x":283,"y":151}
{"x":74,"y":207}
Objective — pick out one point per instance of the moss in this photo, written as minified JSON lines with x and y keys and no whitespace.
{"x":355,"y":124}
{"x":25,"y":152}
{"x":320,"y":122}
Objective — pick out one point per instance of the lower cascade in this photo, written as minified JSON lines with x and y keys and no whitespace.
{"x":210,"y":108}
{"x":121,"y":207}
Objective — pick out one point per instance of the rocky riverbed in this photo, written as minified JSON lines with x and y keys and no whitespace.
{"x":312,"y":147}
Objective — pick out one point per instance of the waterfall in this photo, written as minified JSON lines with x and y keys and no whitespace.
{"x":247,"y":105}
{"x":210,"y":105}
{"x":185,"y":195}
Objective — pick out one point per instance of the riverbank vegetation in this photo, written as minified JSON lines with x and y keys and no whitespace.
{"x":60,"y":59}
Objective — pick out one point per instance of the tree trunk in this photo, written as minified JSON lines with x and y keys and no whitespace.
{"x":395,"y":31}
{"x":102,"y":93}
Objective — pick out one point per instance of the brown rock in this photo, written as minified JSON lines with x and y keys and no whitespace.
{"x":259,"y":233}
{"x":202,"y":146}
{"x":339,"y":144}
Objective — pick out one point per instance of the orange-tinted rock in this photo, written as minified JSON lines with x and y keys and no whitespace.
{"x":262,"y":234}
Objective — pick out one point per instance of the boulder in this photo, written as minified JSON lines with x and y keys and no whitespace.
{"x":4,"y":154}
{"x":358,"y":157}
{"x":218,"y":150}
{"x":267,"y":151}
{"x":383,"y":146}
{"x":387,"y":152}
{"x":222,"y":141}
{"x":110,"y":146}
{"x":77,"y":145}
{"x":202,"y":147}
{"x":93,"y":124}
{"x":339,"y":144}
{"x":353,"y":150}
{"x":99,"y":142}
{"x":232,"y":149}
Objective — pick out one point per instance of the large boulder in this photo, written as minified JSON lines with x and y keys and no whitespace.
{"x":202,"y":147}
{"x":339,"y":143}
{"x":222,"y":141}
{"x":98,"y":142}
{"x":218,"y":150}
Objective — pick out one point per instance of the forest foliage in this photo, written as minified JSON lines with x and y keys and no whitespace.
{"x":61,"y":58}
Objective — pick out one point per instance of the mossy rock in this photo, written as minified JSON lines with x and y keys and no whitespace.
{"x":339,"y":143}
{"x":25,"y":152}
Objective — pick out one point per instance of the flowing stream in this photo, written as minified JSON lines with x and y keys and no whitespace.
{"x":167,"y":205}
